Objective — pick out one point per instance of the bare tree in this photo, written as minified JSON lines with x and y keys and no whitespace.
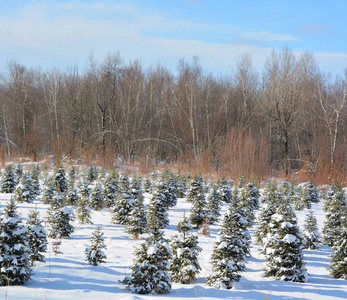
{"x":284,"y":86}
{"x":332,"y":99}
{"x":103,"y":80}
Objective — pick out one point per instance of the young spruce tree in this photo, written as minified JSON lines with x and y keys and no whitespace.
{"x":95,"y":254}
{"x":230,"y":250}
{"x":150,"y":270}
{"x":338,"y":266}
{"x":283,"y":246}
{"x":14,"y":250}
{"x":59,"y":218}
{"x":336,"y":210}
{"x":312,"y":237}
{"x":8,"y":182}
{"x":24,"y":191}
{"x":185,"y":250}
{"x":37,"y":237}
{"x":196,"y":195}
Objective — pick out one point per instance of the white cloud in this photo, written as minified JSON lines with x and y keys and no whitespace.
{"x":268,"y":36}
{"x":40,"y":36}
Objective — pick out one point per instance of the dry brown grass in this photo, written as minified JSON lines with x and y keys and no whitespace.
{"x":241,"y":155}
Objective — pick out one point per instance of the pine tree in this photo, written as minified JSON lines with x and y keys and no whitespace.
{"x":14,"y":250}
{"x":111,"y":188}
{"x":157,"y":208}
{"x":225,"y":190}
{"x":283,"y":246}
{"x":240,"y":198}
{"x":311,"y":234}
{"x":37,"y":237}
{"x":137,"y":221}
{"x":83,"y":212}
{"x":136,"y":188}
{"x":242,"y":182}
{"x":72,"y":176}
{"x":335,"y":210}
{"x":24,"y":191}
{"x":270,"y":193}
{"x":35,"y":175}
{"x":196,"y":195}
{"x":252,"y":194}
{"x":185,"y":250}
{"x":18,"y":172}
{"x":214,"y":200}
{"x":171,"y":196}
{"x":124,"y":202}
{"x":92,"y":174}
{"x":72,"y":196}
{"x":264,"y":219}
{"x":150,"y":270}
{"x":230,"y":250}
{"x":60,"y":180}
{"x":96,"y":197}
{"x":95,"y":254}
{"x":313,"y":193}
{"x":338,"y":266}
{"x":299,"y":199}
{"x":147,"y":185}
{"x":8,"y":182}
{"x":181,"y":186}
{"x":49,"y":191}
{"x":59,"y":218}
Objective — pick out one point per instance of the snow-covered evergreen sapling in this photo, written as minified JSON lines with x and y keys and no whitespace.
{"x":83,"y":212}
{"x":37,"y":237}
{"x":150,"y":270}
{"x":338,"y":266}
{"x":137,"y":221}
{"x":312,"y":237}
{"x":157,"y":208}
{"x":35,"y":175}
{"x":313,"y":193}
{"x":8,"y":182}
{"x":252,"y":193}
{"x":124,"y":202}
{"x":111,"y":188}
{"x":231,"y":249}
{"x":49,"y":190}
{"x":96,"y":197}
{"x":72,"y":196}
{"x":59,"y":219}
{"x":60,"y":180}
{"x":95,"y":254}
{"x":225,"y":190}
{"x":24,"y":191}
{"x":185,"y":250}
{"x":181,"y":185}
{"x":18,"y":172}
{"x":92,"y":174}
{"x":147,"y":185}
{"x":336,"y":209}
{"x":214,"y":200}
{"x":283,"y":246}
{"x":240,"y":198}
{"x":14,"y":250}
{"x":72,"y":176}
{"x":242,"y":182}
{"x":196,"y":195}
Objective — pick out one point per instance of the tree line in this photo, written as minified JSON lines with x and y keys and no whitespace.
{"x":290,"y":117}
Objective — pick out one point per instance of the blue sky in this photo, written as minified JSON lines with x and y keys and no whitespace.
{"x":59,"y":33}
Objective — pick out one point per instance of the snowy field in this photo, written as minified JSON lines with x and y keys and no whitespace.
{"x":68,"y":276}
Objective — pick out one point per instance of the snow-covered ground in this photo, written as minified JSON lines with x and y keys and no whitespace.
{"x":68,"y":276}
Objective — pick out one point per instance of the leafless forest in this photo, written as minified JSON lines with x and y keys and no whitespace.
{"x":291,"y":118}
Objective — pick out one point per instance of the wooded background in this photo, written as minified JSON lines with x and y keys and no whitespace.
{"x":291,"y":117}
